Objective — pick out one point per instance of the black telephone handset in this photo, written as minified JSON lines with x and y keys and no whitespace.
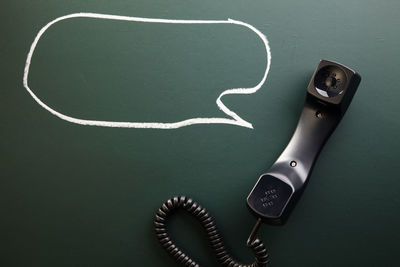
{"x":276,"y":192}
{"x":329,"y":94}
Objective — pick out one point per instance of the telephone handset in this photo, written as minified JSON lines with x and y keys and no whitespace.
{"x":329,"y":94}
{"x":276,"y":192}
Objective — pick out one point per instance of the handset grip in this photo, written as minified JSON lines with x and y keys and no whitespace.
{"x":276,"y":192}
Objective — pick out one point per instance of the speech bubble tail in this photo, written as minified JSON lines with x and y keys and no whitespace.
{"x":243,"y":123}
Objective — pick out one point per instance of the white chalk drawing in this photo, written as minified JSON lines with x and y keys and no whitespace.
{"x":233,"y":119}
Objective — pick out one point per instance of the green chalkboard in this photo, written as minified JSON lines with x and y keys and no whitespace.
{"x":76,"y":192}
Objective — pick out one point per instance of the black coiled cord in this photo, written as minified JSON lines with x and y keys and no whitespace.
{"x":182,"y":202}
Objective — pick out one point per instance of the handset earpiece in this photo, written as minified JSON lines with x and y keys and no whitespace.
{"x":329,"y":94}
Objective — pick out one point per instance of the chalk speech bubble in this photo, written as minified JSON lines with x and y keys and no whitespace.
{"x":234,"y":119}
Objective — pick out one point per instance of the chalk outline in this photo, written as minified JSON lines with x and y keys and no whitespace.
{"x":236,"y":120}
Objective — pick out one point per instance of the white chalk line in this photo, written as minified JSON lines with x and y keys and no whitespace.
{"x":235,"y":118}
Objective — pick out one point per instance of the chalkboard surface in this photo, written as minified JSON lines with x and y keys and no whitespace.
{"x":76,"y":192}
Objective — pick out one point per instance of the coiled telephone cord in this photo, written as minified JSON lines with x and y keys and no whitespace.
{"x":223,"y":257}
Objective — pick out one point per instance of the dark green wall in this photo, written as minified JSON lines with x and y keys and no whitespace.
{"x":73,"y":195}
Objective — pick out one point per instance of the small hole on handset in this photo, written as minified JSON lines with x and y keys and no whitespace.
{"x":293,"y":163}
{"x":319,"y":114}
